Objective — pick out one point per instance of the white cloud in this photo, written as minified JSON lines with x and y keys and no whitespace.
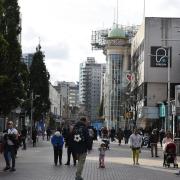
{"x":65,"y":26}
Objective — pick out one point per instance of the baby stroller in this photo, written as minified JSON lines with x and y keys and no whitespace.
{"x":170,"y":155}
{"x":106,"y":141}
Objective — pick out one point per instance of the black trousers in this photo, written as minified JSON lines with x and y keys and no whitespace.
{"x":24,"y":142}
{"x":48,"y":137}
{"x":57,"y":155}
{"x":10,"y":150}
{"x":69,"y":152}
{"x":126,"y":140}
{"x":34,"y":141}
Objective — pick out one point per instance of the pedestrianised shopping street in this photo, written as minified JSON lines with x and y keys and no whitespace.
{"x":37,"y":164}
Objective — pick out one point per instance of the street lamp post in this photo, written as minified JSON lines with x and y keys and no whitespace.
{"x":159,"y":58}
{"x":32,"y":99}
{"x":31,"y":113}
{"x":169,"y":88}
{"x":169,"y":48}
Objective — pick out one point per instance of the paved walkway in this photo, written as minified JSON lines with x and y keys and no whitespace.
{"x":37,"y":164}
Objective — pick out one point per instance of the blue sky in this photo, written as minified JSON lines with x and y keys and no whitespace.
{"x":65,"y":27}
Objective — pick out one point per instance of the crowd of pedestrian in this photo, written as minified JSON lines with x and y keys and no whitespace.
{"x":78,"y":139}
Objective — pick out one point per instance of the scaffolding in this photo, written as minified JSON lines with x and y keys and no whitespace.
{"x":99,"y":37}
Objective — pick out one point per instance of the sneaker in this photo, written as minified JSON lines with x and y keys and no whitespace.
{"x":157,"y":156}
{"x":177,"y":173}
{"x":137,"y":163}
{"x":67,"y":164}
{"x":12,"y":170}
{"x":6,"y":168}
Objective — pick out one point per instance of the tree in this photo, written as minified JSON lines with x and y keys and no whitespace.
{"x":12,"y":80}
{"x":39,"y":85}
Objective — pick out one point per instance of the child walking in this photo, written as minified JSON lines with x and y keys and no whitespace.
{"x":102,"y":150}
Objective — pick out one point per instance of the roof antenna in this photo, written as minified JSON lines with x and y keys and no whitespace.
{"x":114,"y":17}
{"x":39,"y":40}
{"x":144,"y":9}
{"x":117,"y":12}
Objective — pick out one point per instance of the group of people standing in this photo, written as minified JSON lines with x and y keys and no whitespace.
{"x":112,"y":134}
{"x":77,"y":140}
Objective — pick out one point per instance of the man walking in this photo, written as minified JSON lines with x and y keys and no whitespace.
{"x":10,"y":143}
{"x":153,"y":141}
{"x":23,"y":137}
{"x":81,"y":143}
{"x":135,"y":145}
{"x":68,"y":145}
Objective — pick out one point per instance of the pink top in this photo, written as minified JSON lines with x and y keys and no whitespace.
{"x":166,"y":141}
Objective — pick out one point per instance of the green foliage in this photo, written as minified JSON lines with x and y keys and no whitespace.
{"x":14,"y":75}
{"x":39,"y":85}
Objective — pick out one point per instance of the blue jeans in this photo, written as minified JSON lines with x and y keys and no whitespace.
{"x":9,"y":153}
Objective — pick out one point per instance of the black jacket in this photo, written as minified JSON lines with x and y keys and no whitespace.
{"x":69,"y":139}
{"x":81,"y":139}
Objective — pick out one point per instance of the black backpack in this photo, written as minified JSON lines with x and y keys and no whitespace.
{"x":78,"y":135}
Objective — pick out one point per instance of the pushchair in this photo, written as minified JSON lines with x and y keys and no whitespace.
{"x":170,"y":155}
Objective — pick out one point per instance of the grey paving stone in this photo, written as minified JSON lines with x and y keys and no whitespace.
{"x":37,"y":164}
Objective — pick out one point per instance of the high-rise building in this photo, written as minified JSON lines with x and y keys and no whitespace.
{"x":90,"y":87}
{"x":73,"y":94}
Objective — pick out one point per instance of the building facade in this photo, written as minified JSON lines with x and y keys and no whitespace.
{"x":155,"y":45}
{"x":90,"y":87}
{"x":54,"y":98}
{"x":69,"y":100}
{"x":117,"y":51}
{"x":63,"y":89}
{"x":73,"y":101}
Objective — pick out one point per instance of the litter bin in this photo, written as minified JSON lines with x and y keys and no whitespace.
{"x":177,"y":142}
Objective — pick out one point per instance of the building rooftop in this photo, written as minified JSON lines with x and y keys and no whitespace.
{"x":117,"y":32}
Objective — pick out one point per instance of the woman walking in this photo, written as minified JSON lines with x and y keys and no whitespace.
{"x":57,"y":142}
